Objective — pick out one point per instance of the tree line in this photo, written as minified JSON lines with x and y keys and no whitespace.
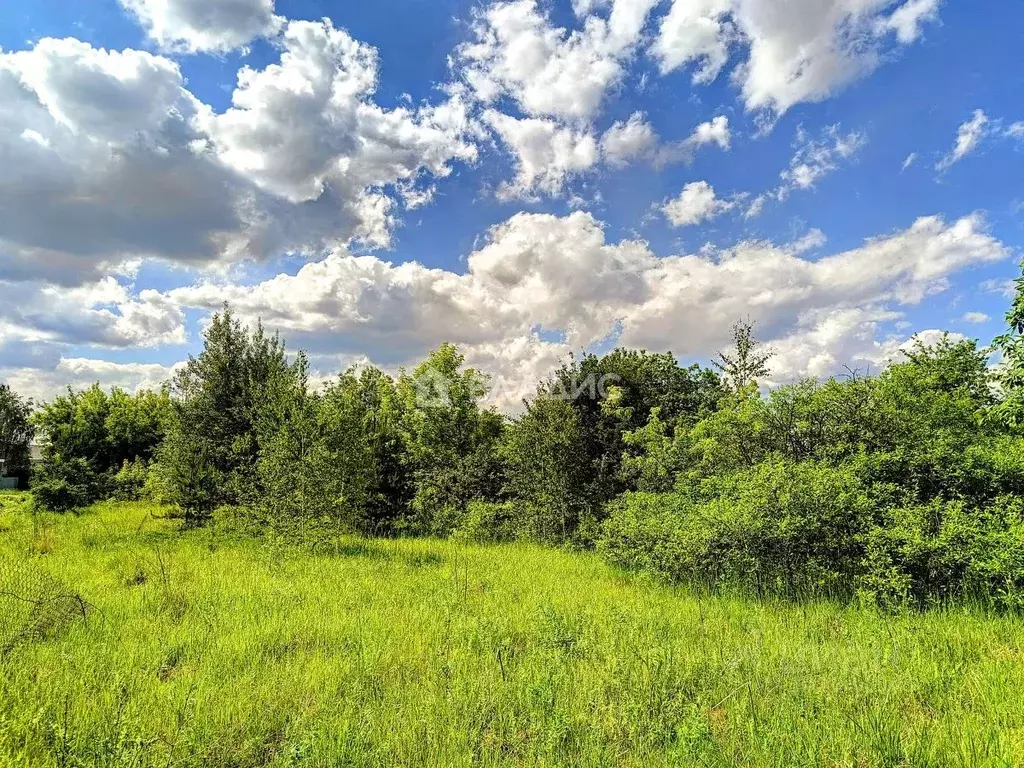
{"x":902,"y":487}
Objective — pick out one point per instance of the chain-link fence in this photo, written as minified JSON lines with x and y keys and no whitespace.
{"x":33,"y":604}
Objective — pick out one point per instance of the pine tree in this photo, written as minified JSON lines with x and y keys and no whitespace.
{"x":212,"y":446}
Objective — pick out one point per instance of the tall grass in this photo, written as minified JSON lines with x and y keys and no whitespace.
{"x":209,"y":651}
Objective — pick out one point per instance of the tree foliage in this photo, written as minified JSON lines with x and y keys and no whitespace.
{"x":450,"y":440}
{"x":212,"y":450}
{"x":16,"y":433}
{"x":90,"y":438}
{"x":748,"y":362}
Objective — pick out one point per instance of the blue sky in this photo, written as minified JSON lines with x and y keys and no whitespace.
{"x":522,"y":177}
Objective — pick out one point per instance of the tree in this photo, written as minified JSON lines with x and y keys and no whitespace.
{"x":212,"y":448}
{"x":322,"y":455}
{"x":616,"y":394}
{"x":290,"y":441}
{"x":363,"y":416}
{"x":749,"y":361}
{"x":546,"y":469}
{"x":450,"y":439}
{"x":93,"y":439}
{"x":105,"y":430}
{"x":16,"y":433}
{"x":1010,"y":376}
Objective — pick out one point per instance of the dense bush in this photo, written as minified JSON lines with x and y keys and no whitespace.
{"x":66,"y":484}
{"x":132,"y":483}
{"x":781,"y":527}
{"x":97,"y":445}
{"x":491,"y":523}
{"x":947,"y":550}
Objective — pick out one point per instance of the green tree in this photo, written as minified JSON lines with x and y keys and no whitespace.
{"x":547,"y":470}
{"x":290,"y":446}
{"x":615,"y":394}
{"x":1010,"y":375}
{"x":749,"y":360}
{"x":74,"y":425}
{"x":450,"y":438}
{"x":212,"y":450}
{"x":16,"y":433}
{"x":100,"y":437}
{"x":363,"y":416}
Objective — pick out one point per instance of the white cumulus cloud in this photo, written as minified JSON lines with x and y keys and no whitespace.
{"x":562,"y":275}
{"x":696,"y":203}
{"x":194,"y":26}
{"x":550,"y":71}
{"x":796,"y":51}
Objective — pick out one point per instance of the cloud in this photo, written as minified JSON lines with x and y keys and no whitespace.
{"x":1006,"y":288}
{"x":814,"y":238}
{"x":103,"y":313}
{"x":629,"y":140}
{"x":695,"y":32}
{"x":696,"y":203}
{"x":306,"y":127}
{"x":815,"y":158}
{"x":108,"y":158}
{"x":99,"y":166}
{"x":975,"y":317}
{"x":825,"y":342}
{"x":968,"y":136}
{"x":636,"y":139}
{"x":715,"y":131}
{"x":193,"y":26}
{"x":41,"y":323}
{"x":539,"y":274}
{"x":907,"y":20}
{"x":1016,"y":130}
{"x":549,"y":71}
{"x":798,"y":51}
{"x":911,"y":158}
{"x":546,"y":153}
{"x":42,"y":384}
{"x":756,"y":206}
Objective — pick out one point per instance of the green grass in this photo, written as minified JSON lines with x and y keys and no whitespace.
{"x":205,"y":651}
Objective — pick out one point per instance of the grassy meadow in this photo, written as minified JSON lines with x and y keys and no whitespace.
{"x":209,"y":650}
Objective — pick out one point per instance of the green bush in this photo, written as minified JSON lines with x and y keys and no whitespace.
{"x":804,"y":528}
{"x":946,"y":551}
{"x":489,"y":522}
{"x":131,"y":481}
{"x":782,"y":527}
{"x":64,"y":485}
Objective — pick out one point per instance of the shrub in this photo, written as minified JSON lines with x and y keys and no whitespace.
{"x":782,"y":527}
{"x":64,"y":485}
{"x":131,"y":481}
{"x":944,"y":551}
{"x":486,"y":522}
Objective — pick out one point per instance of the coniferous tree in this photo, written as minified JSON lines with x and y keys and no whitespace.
{"x":212,"y":451}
